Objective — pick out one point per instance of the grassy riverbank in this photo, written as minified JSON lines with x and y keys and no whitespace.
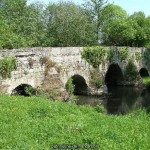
{"x":36,"y":123}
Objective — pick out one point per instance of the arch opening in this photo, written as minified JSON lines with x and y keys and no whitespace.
{"x":114,"y":75}
{"x":24,"y":90}
{"x":80,"y":86}
{"x":143,"y":72}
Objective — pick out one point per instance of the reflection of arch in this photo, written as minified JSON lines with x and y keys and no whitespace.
{"x":23,"y":89}
{"x":114,"y":75}
{"x":143,"y":72}
{"x":80,"y":86}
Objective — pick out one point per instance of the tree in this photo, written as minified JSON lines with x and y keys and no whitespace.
{"x":35,"y":26}
{"x":11,"y":23}
{"x":138,"y":23}
{"x":114,"y":26}
{"x":68,"y":25}
{"x":147,"y":32}
{"x":21,"y":25}
{"x":94,"y":8}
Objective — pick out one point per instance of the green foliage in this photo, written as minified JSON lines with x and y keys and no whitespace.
{"x":97,"y":83}
{"x":29,"y":91}
{"x":69,"y":86}
{"x":35,"y":24}
{"x":146,"y":81}
{"x":94,"y":55}
{"x":95,"y":79}
{"x":73,"y":99}
{"x":75,"y":30}
{"x":110,"y":55}
{"x":123,"y":53}
{"x":131,"y":72}
{"x":138,"y":22}
{"x":94,"y":9}
{"x":7,"y":65}
{"x":51,"y":94}
{"x":114,"y":26}
{"x":37,"y":123}
{"x":147,"y":57}
{"x":119,"y":29}
{"x":138,"y":56}
{"x":100,"y":109}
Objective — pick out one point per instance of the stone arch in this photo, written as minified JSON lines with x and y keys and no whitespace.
{"x":114,"y":75}
{"x":144,"y":72}
{"x":24,"y":90}
{"x":80,"y":85}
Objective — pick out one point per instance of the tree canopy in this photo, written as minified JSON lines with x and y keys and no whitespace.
{"x":68,"y":24}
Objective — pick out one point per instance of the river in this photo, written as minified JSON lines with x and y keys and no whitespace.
{"x":119,"y":100}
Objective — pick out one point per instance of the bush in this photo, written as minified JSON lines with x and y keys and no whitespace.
{"x":52,"y":94}
{"x":123,"y":53}
{"x":147,"y":58}
{"x":94,"y":55}
{"x":97,"y":83}
{"x":95,"y":78}
{"x":110,"y":55}
{"x":7,"y":65}
{"x":100,"y":109}
{"x":131,"y":72}
{"x":69,"y":86}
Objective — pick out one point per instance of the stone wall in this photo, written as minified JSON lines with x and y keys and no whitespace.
{"x":68,"y":61}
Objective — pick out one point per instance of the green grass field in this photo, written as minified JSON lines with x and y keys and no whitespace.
{"x":30,"y":123}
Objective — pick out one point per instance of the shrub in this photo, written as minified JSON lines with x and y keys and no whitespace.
{"x":7,"y":65}
{"x":29,"y":91}
{"x":131,"y":72}
{"x":96,"y":83}
{"x":100,"y":109}
{"x":138,"y":56}
{"x":110,"y":55}
{"x":52,"y":94}
{"x":147,"y":58}
{"x":95,"y":79}
{"x":69,"y":86}
{"x":73,"y":99}
{"x":123,"y":53}
{"x":94,"y":55}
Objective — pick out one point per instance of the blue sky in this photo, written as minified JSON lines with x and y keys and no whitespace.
{"x":129,"y":5}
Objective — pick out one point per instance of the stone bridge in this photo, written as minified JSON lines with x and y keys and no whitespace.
{"x":68,"y":63}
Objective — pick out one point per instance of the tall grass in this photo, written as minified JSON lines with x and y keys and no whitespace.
{"x":37,"y":124}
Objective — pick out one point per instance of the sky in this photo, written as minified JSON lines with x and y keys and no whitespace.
{"x":130,"y":6}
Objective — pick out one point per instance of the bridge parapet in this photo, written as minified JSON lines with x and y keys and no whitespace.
{"x":68,"y":59}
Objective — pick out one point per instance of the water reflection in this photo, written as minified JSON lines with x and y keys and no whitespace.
{"x":145,"y":99}
{"x":89,"y":100}
{"x":120,"y":100}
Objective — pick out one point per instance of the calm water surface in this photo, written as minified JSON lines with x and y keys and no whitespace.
{"x":120,"y":100}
